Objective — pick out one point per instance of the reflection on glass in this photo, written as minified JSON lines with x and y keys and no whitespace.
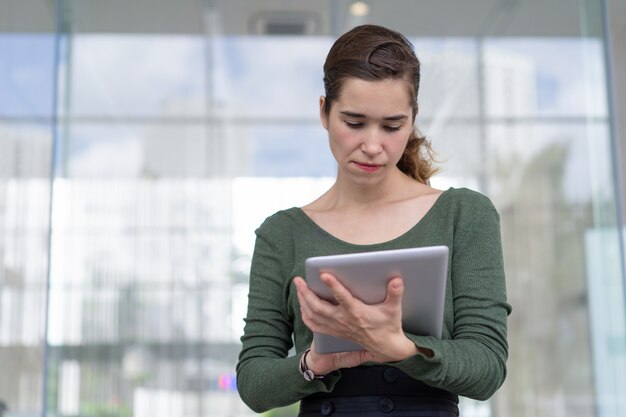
{"x":26,"y":75}
{"x":126,"y":76}
{"x":449,"y":86}
{"x":547,"y":218}
{"x":174,"y":148}
{"x":545,"y":77}
{"x":269,"y":77}
{"x":25,"y":148}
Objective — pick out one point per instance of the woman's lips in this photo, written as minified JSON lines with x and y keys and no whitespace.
{"x":367,"y":167}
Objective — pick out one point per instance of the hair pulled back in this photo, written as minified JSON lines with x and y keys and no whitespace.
{"x":373,"y":53}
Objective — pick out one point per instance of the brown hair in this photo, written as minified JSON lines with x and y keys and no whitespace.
{"x":371,"y":53}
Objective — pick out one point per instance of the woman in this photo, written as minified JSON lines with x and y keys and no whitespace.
{"x":381,"y":200}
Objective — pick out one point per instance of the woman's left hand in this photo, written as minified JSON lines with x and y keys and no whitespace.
{"x":376,"y":327}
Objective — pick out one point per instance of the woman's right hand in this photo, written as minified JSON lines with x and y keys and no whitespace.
{"x":378,"y":327}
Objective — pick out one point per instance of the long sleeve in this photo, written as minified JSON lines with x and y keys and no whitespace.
{"x":266,"y":376}
{"x":473,"y":362}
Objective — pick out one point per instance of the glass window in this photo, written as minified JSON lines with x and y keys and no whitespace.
{"x":26,"y":130}
{"x":177,"y":131}
{"x":26,"y":75}
{"x":129,"y":76}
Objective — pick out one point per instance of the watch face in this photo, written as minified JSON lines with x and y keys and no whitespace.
{"x":308,"y":375}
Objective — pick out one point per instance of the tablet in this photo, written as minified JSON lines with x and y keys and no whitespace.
{"x":366,"y":275}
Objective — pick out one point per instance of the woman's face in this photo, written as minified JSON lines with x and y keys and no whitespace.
{"x":368,"y":128}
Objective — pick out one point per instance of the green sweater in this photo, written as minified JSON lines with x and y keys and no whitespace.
{"x":469,"y":360}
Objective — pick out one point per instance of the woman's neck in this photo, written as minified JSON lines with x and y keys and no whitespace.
{"x":346,"y":194}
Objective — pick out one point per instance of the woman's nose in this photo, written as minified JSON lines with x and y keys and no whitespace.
{"x":371,"y":144}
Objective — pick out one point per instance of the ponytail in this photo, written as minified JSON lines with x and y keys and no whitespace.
{"x":417,"y":159}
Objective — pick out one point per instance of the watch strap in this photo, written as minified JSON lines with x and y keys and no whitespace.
{"x":308,"y":374}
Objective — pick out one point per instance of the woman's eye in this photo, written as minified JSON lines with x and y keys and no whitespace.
{"x":392,"y":128}
{"x":354,"y":125}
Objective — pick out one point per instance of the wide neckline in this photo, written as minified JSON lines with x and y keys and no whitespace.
{"x":377,"y":244}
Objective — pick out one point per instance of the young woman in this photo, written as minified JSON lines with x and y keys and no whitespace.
{"x":381,"y":200}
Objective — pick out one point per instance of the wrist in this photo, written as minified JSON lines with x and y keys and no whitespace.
{"x":408,"y":349}
{"x":413,"y":350}
{"x":305,"y":371}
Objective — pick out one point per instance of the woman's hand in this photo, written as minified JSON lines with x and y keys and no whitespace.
{"x":377,"y":327}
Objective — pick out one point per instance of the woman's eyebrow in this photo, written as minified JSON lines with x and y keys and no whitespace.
{"x":396,"y":117}
{"x":362,"y":116}
{"x":352,"y":114}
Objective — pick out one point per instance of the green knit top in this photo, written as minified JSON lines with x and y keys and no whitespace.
{"x":469,"y":360}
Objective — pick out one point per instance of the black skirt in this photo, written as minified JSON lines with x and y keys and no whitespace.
{"x":377,"y":391}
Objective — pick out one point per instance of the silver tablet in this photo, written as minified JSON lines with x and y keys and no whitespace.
{"x":366,"y":275}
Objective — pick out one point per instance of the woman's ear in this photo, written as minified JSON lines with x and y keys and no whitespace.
{"x":323,"y":116}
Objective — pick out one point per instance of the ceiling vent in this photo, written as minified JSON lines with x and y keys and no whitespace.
{"x":284,"y":23}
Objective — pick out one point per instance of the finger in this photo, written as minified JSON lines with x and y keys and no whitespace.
{"x":304,"y":293}
{"x":300,"y":284}
{"x":340,"y":293}
{"x":302,"y":290}
{"x":395,"y":290}
{"x":301,"y":287}
{"x":313,"y":310}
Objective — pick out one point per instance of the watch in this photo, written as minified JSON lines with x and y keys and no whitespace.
{"x":308,"y":374}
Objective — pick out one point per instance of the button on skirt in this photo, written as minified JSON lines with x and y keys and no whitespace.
{"x":380,"y":391}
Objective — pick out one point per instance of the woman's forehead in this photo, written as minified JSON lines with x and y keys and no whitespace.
{"x":372,"y":97}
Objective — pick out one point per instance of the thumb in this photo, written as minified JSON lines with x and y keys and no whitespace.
{"x":395,"y":290}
